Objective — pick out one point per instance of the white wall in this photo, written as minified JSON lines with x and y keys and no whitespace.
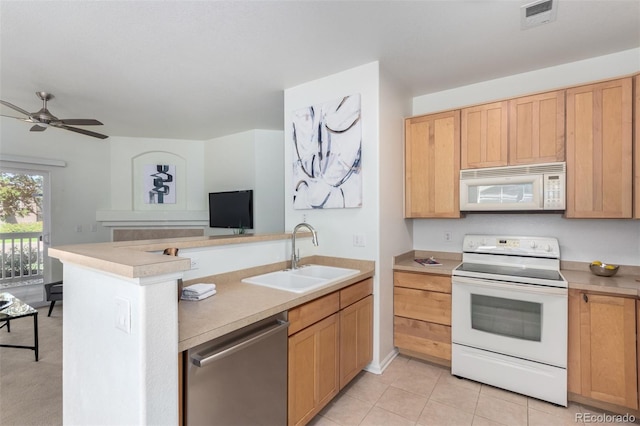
{"x":127,"y":179}
{"x":580,"y":239}
{"x":110,"y":376}
{"x":249,"y":160}
{"x":221,"y":259}
{"x":336,"y":227}
{"x":395,"y":232}
{"x":570,"y":74}
{"x":269,"y":177}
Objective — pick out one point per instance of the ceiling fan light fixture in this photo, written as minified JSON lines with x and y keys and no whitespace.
{"x":43,"y":118}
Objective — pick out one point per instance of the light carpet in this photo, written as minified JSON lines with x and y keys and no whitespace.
{"x":30,"y":391}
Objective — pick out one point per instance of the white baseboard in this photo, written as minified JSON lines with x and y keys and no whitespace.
{"x":380,"y":367}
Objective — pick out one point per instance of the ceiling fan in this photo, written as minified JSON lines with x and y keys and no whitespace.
{"x":43,"y":118}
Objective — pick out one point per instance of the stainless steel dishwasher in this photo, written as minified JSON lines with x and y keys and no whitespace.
{"x":240,"y":378}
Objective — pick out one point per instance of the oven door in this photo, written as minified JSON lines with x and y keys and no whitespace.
{"x":524,"y":321}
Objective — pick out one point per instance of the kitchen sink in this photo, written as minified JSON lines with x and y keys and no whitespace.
{"x":302,"y":279}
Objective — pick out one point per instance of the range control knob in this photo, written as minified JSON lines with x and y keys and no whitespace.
{"x":549,"y":248}
{"x":534,"y":244}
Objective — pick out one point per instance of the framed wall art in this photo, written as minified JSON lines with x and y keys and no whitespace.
{"x":159,"y":184}
{"x":327,"y":155}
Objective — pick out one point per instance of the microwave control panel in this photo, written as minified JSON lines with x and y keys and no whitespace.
{"x":554,"y":191}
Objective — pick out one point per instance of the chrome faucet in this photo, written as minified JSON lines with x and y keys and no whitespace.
{"x":314,"y":240}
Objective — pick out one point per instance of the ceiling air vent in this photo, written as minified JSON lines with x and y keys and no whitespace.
{"x":537,"y":13}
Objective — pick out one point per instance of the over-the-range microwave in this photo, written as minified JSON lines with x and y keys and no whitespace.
{"x":514,"y":188}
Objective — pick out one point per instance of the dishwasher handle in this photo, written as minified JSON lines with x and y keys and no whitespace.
{"x":201,"y":360}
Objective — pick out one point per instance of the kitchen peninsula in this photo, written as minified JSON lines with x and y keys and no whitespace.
{"x":123,"y":328}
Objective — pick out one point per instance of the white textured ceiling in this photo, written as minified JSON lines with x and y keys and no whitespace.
{"x":198,"y":70}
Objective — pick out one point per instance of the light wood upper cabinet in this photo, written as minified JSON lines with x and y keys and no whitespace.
{"x":602,"y":363}
{"x":536,"y":128}
{"x":432,"y":165}
{"x":484,"y":135}
{"x":599,"y":150}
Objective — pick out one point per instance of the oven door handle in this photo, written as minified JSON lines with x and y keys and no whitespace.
{"x":534,"y":289}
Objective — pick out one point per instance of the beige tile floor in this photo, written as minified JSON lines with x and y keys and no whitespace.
{"x":412,"y":392}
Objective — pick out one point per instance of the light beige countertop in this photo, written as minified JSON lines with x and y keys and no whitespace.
{"x":237,"y":304}
{"x":625,"y":283}
{"x":405,"y":262}
{"x":132,"y":259}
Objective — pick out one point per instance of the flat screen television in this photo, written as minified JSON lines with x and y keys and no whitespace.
{"x":231,"y":209}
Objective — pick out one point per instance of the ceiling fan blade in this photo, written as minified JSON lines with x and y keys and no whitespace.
{"x":37,"y":128}
{"x":83,"y":131}
{"x":12,"y":106}
{"x":81,"y":122}
{"x":11,"y":116}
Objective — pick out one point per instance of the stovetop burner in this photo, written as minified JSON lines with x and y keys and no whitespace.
{"x":525,"y":260}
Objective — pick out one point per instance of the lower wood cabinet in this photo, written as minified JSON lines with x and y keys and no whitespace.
{"x":356,"y":339}
{"x":422,"y":315}
{"x":602,"y":359}
{"x":330,"y":342}
{"x":313,"y":369}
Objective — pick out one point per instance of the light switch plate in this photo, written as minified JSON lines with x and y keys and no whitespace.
{"x":123,"y":315}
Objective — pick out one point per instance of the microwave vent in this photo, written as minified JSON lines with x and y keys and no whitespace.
{"x":533,"y":169}
{"x":537,"y":13}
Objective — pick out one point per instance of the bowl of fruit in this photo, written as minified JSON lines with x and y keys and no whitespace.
{"x":603,"y":269}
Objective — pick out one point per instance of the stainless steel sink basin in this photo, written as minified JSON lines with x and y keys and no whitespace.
{"x":302,"y":279}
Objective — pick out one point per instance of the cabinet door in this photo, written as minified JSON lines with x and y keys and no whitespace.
{"x":484,"y":137}
{"x":599,"y":148}
{"x":536,"y":128}
{"x":313,"y":369}
{"x":356,"y":339}
{"x":608,"y":349}
{"x":432,"y":165}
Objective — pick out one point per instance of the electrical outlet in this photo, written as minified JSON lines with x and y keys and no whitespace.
{"x":358,"y":240}
{"x":195,"y":263}
{"x":447,"y":235}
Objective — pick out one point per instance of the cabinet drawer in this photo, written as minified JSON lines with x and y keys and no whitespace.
{"x":422,"y":337}
{"x":355,"y":292}
{"x":439,"y":283}
{"x":311,"y":312}
{"x":422,"y":305}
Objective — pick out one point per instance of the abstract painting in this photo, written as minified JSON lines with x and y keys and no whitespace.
{"x":160,"y":184}
{"x":327,"y":155}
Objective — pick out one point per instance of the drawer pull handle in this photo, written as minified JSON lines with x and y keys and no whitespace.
{"x":585,"y":298}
